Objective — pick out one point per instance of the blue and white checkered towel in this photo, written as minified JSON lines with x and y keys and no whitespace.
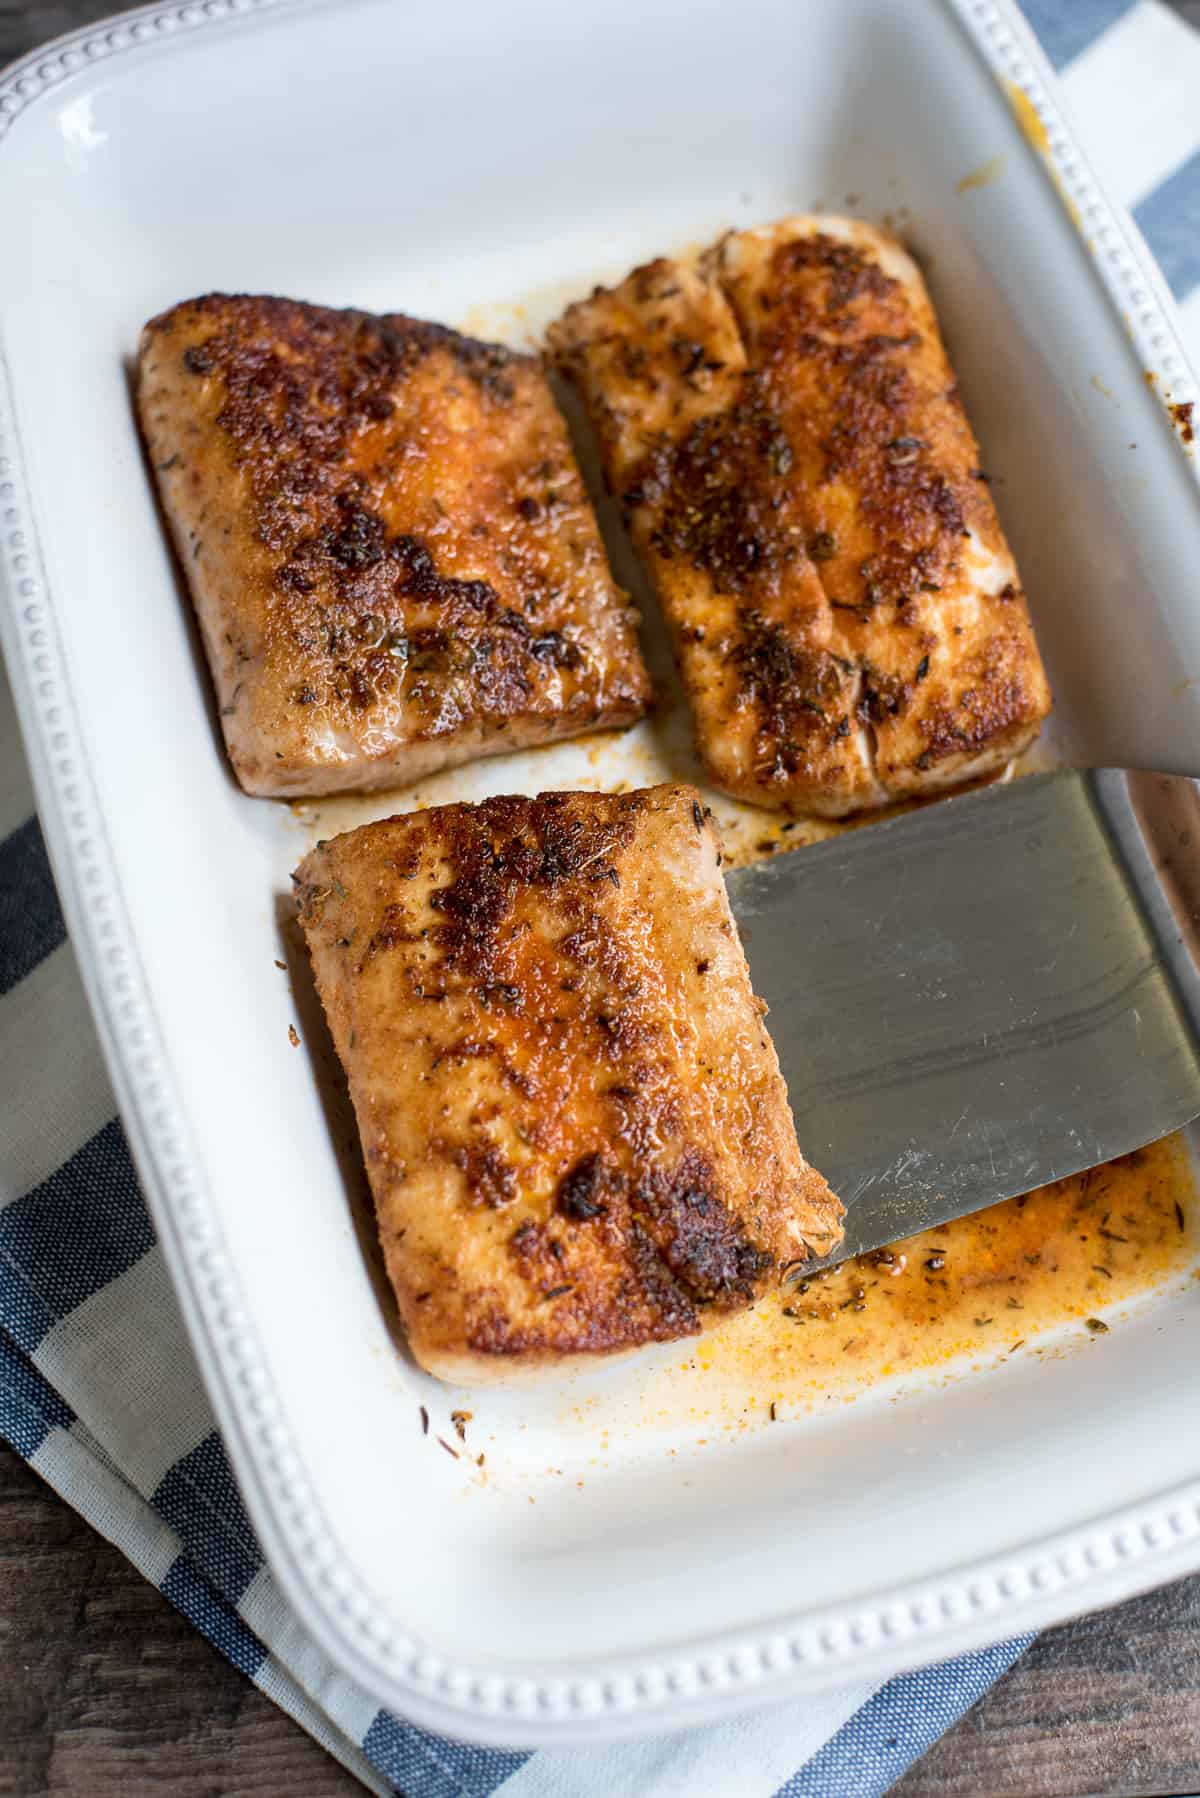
{"x":98,"y":1389}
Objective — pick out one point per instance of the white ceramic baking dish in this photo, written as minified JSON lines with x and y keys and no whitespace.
{"x":611,"y":1573}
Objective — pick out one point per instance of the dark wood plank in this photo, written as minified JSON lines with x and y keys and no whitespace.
{"x":1109,"y":1706}
{"x":26,"y":23}
{"x":108,"y":1693}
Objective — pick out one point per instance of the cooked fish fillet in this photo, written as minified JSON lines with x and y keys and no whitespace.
{"x":573,"y":1119}
{"x":800,"y":480}
{"x":392,"y":555}
{"x":703,"y":469}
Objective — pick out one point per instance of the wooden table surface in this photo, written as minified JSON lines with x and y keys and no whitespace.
{"x":107,"y":1693}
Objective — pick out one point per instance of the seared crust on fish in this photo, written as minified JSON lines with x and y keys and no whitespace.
{"x":390,"y":549}
{"x":573,"y":1119}
{"x":799,"y":478}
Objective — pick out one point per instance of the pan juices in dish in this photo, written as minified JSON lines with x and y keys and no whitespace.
{"x":573,"y":1120}
{"x":391,"y":553}
{"x":782,"y":427}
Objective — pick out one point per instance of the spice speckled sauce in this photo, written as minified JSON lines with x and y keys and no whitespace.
{"x":987,"y":1284}
{"x":1055,"y":1272}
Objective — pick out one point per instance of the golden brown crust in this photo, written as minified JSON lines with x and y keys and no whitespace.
{"x":573,"y":1120}
{"x":696,"y":454}
{"x":837,"y":318}
{"x":818,"y":516}
{"x":392,"y":555}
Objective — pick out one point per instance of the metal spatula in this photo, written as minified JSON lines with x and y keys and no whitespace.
{"x":984,"y":995}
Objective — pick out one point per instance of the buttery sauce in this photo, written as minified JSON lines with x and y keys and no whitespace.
{"x":985,"y":1285}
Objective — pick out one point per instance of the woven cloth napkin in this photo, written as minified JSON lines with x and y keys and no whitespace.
{"x":98,"y":1389}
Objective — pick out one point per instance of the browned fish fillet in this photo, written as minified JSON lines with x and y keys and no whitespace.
{"x":392,"y":556}
{"x":574,"y":1122}
{"x":800,"y":480}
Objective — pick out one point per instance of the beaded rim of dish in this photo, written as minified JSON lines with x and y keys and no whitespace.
{"x":928,"y":1618}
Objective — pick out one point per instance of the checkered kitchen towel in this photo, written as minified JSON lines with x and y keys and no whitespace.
{"x":98,"y":1389}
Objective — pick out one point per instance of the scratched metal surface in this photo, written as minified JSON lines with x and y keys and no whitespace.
{"x":985,"y":995}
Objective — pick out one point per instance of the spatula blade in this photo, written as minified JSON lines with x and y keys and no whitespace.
{"x":985,"y":995}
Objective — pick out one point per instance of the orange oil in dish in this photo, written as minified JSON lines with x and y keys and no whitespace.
{"x":980,"y":1286}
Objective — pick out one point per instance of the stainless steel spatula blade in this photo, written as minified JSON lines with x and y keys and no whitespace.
{"x":985,"y":995}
